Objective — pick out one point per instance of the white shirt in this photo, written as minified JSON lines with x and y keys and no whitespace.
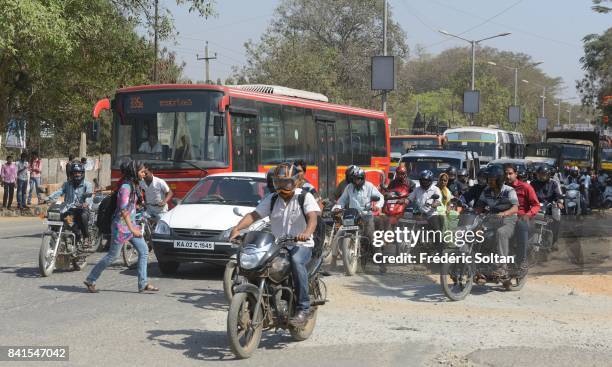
{"x":358,"y":199}
{"x":156,"y":191}
{"x":287,"y":219}
{"x":23,"y":167}
{"x":420,"y":197}
{"x":146,"y":148}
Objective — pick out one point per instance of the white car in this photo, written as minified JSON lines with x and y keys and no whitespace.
{"x":197,"y":230}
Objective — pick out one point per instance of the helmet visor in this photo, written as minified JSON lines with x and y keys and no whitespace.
{"x":283,"y":183}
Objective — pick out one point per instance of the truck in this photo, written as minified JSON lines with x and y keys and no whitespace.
{"x":579,"y":145}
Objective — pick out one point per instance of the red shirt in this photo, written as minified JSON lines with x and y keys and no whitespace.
{"x":528,"y":200}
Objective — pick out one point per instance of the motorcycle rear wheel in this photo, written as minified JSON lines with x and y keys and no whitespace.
{"x":301,"y":334}
{"x":456,"y":280}
{"x":516,"y":283}
{"x":350,"y":260}
{"x":239,"y":325}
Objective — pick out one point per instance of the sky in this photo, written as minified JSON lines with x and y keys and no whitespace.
{"x":550,"y":31}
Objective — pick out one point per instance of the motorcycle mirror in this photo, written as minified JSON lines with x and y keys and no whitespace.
{"x":237,"y":212}
{"x":435,"y":196}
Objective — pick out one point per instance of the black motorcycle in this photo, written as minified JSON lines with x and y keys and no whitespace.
{"x":457,"y":278}
{"x":267,"y":299}
{"x":354,"y":244}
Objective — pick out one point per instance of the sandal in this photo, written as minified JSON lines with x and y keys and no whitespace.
{"x":149,"y":288}
{"x":91,"y":288}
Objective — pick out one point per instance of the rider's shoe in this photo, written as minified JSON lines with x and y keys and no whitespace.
{"x":300,"y":318}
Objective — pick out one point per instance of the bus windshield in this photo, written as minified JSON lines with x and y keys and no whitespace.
{"x":606,"y":155}
{"x":574,"y":151}
{"x":437,"y":165}
{"x":483,"y":149}
{"x":402,"y":144}
{"x":169,"y":129}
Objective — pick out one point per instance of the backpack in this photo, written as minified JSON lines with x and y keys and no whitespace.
{"x":106,"y":210}
{"x":319,"y":234}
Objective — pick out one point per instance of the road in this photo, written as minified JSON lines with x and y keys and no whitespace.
{"x":397,"y":319}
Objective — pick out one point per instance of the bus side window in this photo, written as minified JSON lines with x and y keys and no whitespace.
{"x":343,"y":133}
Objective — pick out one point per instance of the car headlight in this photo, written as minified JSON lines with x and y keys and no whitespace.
{"x":250,"y":257}
{"x":225,"y":235}
{"x":162,"y":228}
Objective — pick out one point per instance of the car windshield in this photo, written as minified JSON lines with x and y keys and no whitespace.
{"x":482,"y":148}
{"x":437,"y":165}
{"x":169,"y":129}
{"x":229,"y":190}
{"x":573,"y":151}
{"x":401,"y":145}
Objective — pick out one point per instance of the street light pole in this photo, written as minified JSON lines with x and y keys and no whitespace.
{"x":384,"y":94}
{"x":515,"y":69}
{"x":473,"y":62}
{"x":559,"y":112}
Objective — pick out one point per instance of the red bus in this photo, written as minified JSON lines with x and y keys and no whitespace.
{"x":186,"y":132}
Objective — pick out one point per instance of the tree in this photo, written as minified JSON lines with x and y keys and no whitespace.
{"x":597,"y":64}
{"x":597,"y":7}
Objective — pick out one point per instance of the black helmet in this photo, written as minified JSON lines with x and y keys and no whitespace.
{"x":77,"y":167}
{"x":543,"y":170}
{"x":482,"y":176}
{"x":349,"y":172}
{"x":463,"y":172}
{"x":426,"y":178}
{"x":451,"y":172}
{"x":130,"y":169}
{"x":496,"y":172}
{"x":269,"y":180}
{"x":522,"y":173}
{"x":358,"y":177}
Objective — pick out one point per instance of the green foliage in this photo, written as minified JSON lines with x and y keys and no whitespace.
{"x":597,"y":64}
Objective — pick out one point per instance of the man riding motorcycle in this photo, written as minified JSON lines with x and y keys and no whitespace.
{"x":496,"y":193}
{"x":453,"y":184}
{"x":358,"y":195}
{"x":528,"y":207}
{"x":76,"y":190}
{"x":574,"y":178}
{"x":400,"y":180}
{"x":470,"y":197}
{"x":287,"y":219}
{"x":421,"y":196}
{"x":548,"y":190}
{"x":344,"y":183}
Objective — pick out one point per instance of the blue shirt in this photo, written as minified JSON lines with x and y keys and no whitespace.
{"x":358,"y":199}
{"x":71,"y":193}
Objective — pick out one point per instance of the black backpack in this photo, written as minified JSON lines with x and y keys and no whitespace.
{"x":319,"y":234}
{"x":106,"y":210}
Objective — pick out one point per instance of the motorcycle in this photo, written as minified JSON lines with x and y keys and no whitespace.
{"x":394,"y":209}
{"x":355,"y":246}
{"x":128,"y":251}
{"x":457,"y":278}
{"x":62,"y":243}
{"x":572,"y":200}
{"x":542,"y":237}
{"x":266,"y":300}
{"x":607,"y":195}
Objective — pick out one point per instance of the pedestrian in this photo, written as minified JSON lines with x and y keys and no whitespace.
{"x":70,"y":159}
{"x":22,"y":180}
{"x":124,"y":228}
{"x":35,"y":170}
{"x":8,"y":176}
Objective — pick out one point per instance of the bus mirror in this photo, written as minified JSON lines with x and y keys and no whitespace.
{"x":101,"y":105}
{"x":218,"y":125}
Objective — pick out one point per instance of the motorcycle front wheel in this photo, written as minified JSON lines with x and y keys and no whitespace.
{"x":46,"y":261}
{"x":244,"y":333}
{"x":456,"y":280}
{"x":350,"y":257}
{"x":230,"y":279}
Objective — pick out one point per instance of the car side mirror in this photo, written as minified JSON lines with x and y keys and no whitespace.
{"x":237,"y":212}
{"x":176,"y":201}
{"x":218,"y":125}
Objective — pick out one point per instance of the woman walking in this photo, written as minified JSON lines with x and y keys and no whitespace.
{"x":124,"y":228}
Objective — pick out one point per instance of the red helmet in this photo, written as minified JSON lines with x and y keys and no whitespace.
{"x":401,"y":172}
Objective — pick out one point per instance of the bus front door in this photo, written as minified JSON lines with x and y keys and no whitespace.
{"x":326,"y":158}
{"x":244,"y":143}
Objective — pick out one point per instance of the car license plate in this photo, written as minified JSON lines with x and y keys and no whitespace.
{"x":350,"y":228}
{"x":195,"y":245}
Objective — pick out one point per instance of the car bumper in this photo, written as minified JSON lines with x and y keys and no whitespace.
{"x":165,"y":251}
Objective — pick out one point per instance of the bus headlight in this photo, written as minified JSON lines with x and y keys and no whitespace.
{"x":162,"y":228}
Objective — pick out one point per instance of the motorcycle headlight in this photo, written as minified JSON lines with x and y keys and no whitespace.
{"x":348,"y":222}
{"x":250,"y":257}
{"x":53,"y":216}
{"x":572,"y":194}
{"x":162,"y":228}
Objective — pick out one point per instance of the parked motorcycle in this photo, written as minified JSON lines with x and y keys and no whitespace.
{"x":457,"y":279}
{"x":62,"y":244}
{"x":354,"y":244}
{"x":267,"y":299}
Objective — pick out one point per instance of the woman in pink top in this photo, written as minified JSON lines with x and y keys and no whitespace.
{"x":35,"y":169}
{"x":8,"y":176}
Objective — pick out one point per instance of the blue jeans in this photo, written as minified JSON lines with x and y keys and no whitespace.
{"x":113,"y":252}
{"x":22,"y":187}
{"x":522,"y":239}
{"x":34,"y":185}
{"x":300,"y":256}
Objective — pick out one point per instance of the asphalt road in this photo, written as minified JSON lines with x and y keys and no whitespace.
{"x":396,"y":319}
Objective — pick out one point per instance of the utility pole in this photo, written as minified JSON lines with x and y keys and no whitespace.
{"x":206,"y":59}
{"x":384,"y":94}
{"x":155,"y":43}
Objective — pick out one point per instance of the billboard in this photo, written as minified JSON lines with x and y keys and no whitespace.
{"x":16,"y":134}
